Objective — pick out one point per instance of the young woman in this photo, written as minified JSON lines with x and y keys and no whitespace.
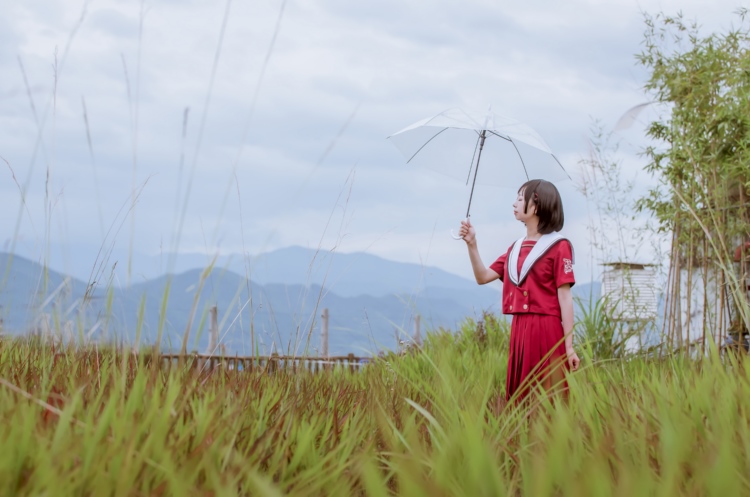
{"x":537,"y":275}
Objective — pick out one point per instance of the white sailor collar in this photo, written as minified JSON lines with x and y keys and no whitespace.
{"x":540,"y":248}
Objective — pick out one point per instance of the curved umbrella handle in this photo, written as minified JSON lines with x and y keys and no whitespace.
{"x":458,"y":237}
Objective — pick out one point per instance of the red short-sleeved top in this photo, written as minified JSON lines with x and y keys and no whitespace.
{"x":537,"y":293}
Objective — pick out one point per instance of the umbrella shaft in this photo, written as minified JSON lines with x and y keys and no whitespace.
{"x":476,"y":169}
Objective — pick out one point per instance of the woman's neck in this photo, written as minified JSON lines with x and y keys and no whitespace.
{"x":531,"y":230}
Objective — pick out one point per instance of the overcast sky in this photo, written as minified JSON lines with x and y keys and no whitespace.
{"x":266,"y":127}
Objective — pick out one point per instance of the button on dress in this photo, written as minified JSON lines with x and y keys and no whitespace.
{"x":537,"y":347}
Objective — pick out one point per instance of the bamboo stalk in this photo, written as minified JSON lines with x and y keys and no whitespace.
{"x":706,"y":308}
{"x":689,"y":291}
{"x":675,"y":316}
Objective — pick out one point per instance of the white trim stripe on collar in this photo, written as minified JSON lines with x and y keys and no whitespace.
{"x":540,"y":248}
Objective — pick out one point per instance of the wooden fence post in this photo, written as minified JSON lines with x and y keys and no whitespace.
{"x":417,"y":331}
{"x":213,"y":330}
{"x":324,"y":333}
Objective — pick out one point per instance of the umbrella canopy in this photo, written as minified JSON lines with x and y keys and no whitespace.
{"x":454,"y":142}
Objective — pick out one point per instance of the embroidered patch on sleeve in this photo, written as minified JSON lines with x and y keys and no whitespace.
{"x":568,"y":266}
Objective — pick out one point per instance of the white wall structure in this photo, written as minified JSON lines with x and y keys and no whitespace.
{"x":631,"y":290}
{"x":631,"y":297}
{"x":703,"y":304}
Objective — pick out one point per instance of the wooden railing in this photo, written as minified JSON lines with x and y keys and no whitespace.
{"x":215,"y":348}
{"x":272,"y":363}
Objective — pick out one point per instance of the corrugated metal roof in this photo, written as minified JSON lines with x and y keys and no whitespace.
{"x":628,"y":265}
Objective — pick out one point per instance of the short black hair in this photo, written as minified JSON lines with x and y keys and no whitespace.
{"x":548,"y":203}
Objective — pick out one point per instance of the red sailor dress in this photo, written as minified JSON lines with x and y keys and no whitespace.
{"x":537,"y":348}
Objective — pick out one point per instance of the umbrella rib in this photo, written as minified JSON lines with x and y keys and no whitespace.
{"x":519,"y":156}
{"x":500,"y":136}
{"x":425,"y":144}
{"x":469,"y":117}
{"x":561,"y":166}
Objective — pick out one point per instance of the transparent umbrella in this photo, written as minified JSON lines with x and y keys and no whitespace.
{"x":454,"y":142}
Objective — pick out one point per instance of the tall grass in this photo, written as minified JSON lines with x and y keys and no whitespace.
{"x":429,"y":422}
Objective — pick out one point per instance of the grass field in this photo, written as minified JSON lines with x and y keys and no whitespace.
{"x":82,"y":422}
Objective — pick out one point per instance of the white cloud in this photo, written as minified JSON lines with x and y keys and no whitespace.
{"x":555,"y":65}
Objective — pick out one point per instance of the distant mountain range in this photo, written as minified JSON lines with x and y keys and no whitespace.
{"x":371,"y":301}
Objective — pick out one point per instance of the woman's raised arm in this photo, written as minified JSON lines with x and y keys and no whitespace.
{"x":482,"y":274}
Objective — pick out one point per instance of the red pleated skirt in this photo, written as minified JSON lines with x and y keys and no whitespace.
{"x":537,"y":356}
